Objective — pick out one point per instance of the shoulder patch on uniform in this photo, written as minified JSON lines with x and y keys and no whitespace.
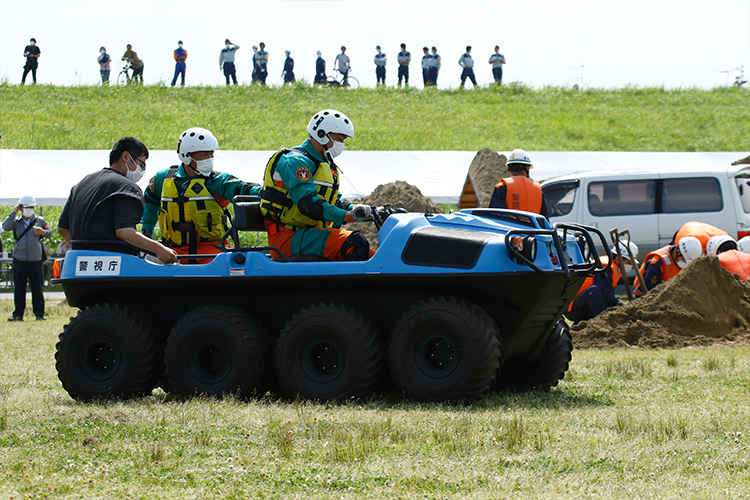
{"x":303,"y":174}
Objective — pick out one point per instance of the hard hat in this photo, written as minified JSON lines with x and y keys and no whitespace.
{"x":720,"y":243}
{"x":329,"y":121}
{"x":519,"y":156}
{"x":744,"y":244}
{"x":195,"y":139}
{"x":27,"y":201}
{"x":624,"y":250}
{"x":690,"y":248}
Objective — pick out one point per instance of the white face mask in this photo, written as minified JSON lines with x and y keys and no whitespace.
{"x":336,"y":149}
{"x":32,"y":43}
{"x":681,"y":264}
{"x":28,"y":212}
{"x":179,"y":45}
{"x":628,"y":267}
{"x":137,"y":174}
{"x":229,"y":46}
{"x":204,"y":167}
{"x":103,"y":51}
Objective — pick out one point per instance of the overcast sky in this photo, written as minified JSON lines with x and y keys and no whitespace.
{"x":596,"y":43}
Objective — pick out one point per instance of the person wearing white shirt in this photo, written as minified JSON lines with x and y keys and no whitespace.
{"x":342,"y":60}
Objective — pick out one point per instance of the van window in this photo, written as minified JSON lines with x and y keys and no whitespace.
{"x":560,"y":197}
{"x":695,"y":194}
{"x":611,"y":198}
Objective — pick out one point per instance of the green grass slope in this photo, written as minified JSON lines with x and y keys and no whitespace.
{"x":268,"y":118}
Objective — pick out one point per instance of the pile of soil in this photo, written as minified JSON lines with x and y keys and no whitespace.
{"x":398,"y":194}
{"x":703,"y":305}
{"x":743,"y":161}
{"x":485,"y":171}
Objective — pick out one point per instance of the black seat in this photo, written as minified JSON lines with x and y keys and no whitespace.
{"x":247,"y":216}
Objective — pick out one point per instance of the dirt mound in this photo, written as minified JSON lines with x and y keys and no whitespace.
{"x":743,"y":161}
{"x":486,"y":169}
{"x":704,"y":304}
{"x":399,"y":194}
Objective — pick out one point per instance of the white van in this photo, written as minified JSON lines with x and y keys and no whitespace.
{"x":653,"y":205}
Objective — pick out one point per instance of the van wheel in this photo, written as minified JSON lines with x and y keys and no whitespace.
{"x":329,"y":351}
{"x":445,"y":349}
{"x":217,"y":350}
{"x":548,"y":369}
{"x":108,"y":351}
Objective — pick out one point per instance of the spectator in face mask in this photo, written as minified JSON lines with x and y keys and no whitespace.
{"x":180,"y":56}
{"x":104,"y":65}
{"x":28,"y":256}
{"x":31,"y":53}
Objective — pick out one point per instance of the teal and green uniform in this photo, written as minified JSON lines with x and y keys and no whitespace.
{"x":178,"y":201}
{"x":300,"y":194}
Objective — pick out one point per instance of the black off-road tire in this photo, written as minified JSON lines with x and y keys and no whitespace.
{"x":329,"y":351}
{"x":445,"y":349}
{"x":109,"y":350}
{"x":218,"y":350}
{"x":547,"y":370}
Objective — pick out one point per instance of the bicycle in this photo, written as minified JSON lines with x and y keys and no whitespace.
{"x":124,"y":77}
{"x":341,"y":81}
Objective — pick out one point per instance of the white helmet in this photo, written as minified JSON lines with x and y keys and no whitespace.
{"x":690,"y":248}
{"x":744,"y":244}
{"x":624,"y":250}
{"x":329,"y":121}
{"x":720,"y":243}
{"x":519,"y":156}
{"x":27,"y":201}
{"x":195,"y":139}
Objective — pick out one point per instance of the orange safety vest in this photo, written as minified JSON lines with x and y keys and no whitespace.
{"x":700,"y":230}
{"x":588,"y":282}
{"x":670,"y":268}
{"x":736,"y":262}
{"x":522,"y":193}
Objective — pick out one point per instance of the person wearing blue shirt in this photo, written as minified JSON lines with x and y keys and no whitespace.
{"x":467,"y":63}
{"x":288,"y":72}
{"x":426,"y":61}
{"x":261,"y":64}
{"x":403,"y":58}
{"x":226,"y":60}
{"x":380,"y":60}
{"x":435,"y":62}
{"x":320,"y":69}
{"x":180,"y":55}
{"x":497,"y":60}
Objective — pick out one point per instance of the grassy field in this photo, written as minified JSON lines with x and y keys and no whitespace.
{"x":623,"y":424}
{"x":268,"y":118}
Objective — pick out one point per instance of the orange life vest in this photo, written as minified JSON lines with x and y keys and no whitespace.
{"x":736,"y":262}
{"x":522,"y":194}
{"x":588,"y":282}
{"x":700,"y":230}
{"x":669,"y":267}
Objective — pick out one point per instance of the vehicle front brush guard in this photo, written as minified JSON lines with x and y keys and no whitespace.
{"x":594,"y":266}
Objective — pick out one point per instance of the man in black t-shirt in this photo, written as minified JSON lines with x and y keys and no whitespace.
{"x":31,"y":53}
{"x":107,"y":205}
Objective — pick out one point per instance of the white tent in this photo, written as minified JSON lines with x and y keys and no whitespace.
{"x":440,"y":175}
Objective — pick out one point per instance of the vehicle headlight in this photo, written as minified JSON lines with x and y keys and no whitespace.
{"x":525,"y":245}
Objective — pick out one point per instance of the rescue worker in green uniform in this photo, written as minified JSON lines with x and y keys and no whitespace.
{"x":301,"y":201}
{"x":189,"y":200}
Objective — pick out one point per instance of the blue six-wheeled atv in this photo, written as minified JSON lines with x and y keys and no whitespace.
{"x":449,"y":307}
